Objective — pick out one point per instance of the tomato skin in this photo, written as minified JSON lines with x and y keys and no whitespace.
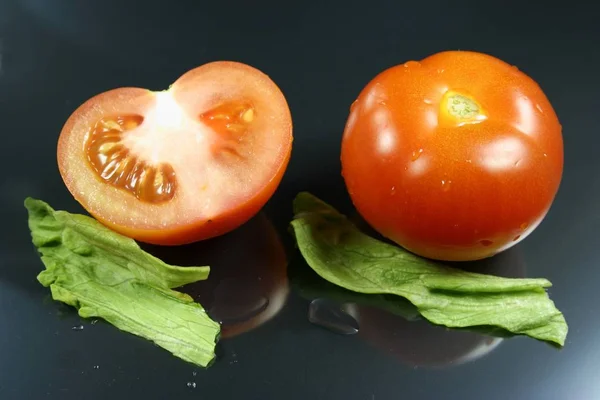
{"x":245,"y":185}
{"x":201,"y":230}
{"x":444,"y":187}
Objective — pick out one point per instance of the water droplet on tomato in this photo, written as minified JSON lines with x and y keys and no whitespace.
{"x":516,"y":238}
{"x":412,"y":64}
{"x":416,"y":154}
{"x":469,"y":161}
{"x":517,"y":162}
{"x":515,"y":67}
{"x":382,"y":103}
{"x":486,"y":242}
{"x":545,"y":155}
{"x":440,"y":70}
{"x":524,"y":226}
{"x":539,"y":108}
{"x":353,"y":105}
{"x":446,"y":185}
{"x":427,"y":101}
{"x":393,"y":190}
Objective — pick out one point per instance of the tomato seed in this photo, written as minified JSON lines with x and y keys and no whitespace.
{"x":115,"y":164}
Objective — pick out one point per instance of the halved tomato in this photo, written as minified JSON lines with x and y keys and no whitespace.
{"x":181,"y":165}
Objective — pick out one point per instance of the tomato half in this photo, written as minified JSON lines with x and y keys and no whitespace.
{"x":181,"y":165}
{"x":456,"y":157}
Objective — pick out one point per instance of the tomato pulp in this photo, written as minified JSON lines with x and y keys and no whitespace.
{"x":189,"y":163}
{"x":456,"y":157}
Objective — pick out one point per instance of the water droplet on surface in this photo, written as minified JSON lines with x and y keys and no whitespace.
{"x":517,"y":163}
{"x":446,"y":185}
{"x":194,"y":373}
{"x":440,"y":70}
{"x":469,"y":161}
{"x":353,"y":105}
{"x":427,"y":101}
{"x":94,"y":322}
{"x":393,"y":190}
{"x":524,"y":226}
{"x":516,"y":238}
{"x":515,"y":67}
{"x":545,"y":155}
{"x":486,"y":242}
{"x":96,"y":367}
{"x":539,"y":108}
{"x":382,"y":103}
{"x":327,"y":314}
{"x":77,"y":328}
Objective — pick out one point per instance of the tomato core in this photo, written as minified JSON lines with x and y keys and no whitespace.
{"x":153,"y":181}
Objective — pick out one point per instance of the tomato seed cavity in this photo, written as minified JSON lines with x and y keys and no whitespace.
{"x":231,"y":121}
{"x":229,"y":118}
{"x":115,"y":164}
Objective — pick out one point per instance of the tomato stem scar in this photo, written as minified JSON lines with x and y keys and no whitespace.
{"x":461,"y":109}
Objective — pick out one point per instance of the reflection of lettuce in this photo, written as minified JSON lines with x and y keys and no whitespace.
{"x":106,"y":275}
{"x":338,"y":252}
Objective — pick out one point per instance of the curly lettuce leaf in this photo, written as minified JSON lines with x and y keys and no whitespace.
{"x":106,"y":275}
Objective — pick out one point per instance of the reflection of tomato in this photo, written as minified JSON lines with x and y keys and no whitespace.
{"x":181,"y":165}
{"x":419,"y":343}
{"x":456,"y":157}
{"x":422,"y":344}
{"x":248,"y":283}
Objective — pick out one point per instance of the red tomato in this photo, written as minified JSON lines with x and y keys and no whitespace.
{"x":457,"y":157}
{"x":181,"y":165}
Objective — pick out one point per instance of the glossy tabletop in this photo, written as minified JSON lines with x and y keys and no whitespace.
{"x":55,"y":54}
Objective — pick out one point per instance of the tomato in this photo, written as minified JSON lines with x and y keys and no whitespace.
{"x":181,"y":165}
{"x":456,"y":157}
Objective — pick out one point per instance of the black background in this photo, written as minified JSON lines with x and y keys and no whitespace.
{"x":54,"y":54}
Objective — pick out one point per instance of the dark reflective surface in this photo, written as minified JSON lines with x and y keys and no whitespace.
{"x":56,"y":54}
{"x":393,"y":325}
{"x":248,"y":282}
{"x":421,"y":344}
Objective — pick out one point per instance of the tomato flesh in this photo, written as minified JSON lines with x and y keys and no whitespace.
{"x":457,"y":157}
{"x":181,"y":165}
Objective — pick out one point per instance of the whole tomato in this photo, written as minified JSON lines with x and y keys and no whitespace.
{"x":456,"y":157}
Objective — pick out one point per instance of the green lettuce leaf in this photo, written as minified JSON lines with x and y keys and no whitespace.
{"x":311,"y":286}
{"x":106,"y":275}
{"x":341,"y":254}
